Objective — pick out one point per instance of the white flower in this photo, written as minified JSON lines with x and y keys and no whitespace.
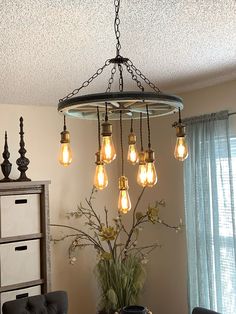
{"x":73,"y":260}
{"x":144,"y":261}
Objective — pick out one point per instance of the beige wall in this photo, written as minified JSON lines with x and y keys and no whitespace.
{"x":165,"y":290}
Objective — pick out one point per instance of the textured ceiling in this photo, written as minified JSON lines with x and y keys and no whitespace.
{"x":48,"y":48}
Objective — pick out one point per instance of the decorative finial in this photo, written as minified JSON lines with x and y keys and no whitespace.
{"x":6,"y":165}
{"x":22,"y":162}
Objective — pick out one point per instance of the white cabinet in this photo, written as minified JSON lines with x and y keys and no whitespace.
{"x":20,"y":214}
{"x":24,"y":239}
{"x":19,"y":262}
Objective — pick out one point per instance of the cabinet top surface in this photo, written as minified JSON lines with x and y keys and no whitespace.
{"x":22,"y":185}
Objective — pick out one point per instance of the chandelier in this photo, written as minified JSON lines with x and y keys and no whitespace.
{"x":122,"y":105}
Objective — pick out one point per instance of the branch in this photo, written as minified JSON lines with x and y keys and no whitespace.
{"x":136,"y":205}
{"x":133,"y":224}
{"x":63,"y":237}
{"x":91,"y":239}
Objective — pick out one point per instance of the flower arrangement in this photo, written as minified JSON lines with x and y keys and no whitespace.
{"x":121,"y":260}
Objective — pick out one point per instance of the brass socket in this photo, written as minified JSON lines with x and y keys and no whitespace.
{"x":65,"y":137}
{"x":132,"y":139}
{"x":141,"y":157}
{"x":123,"y":183}
{"x":106,"y":128}
{"x":180,"y":130}
{"x":98,"y":160}
{"x":149,"y":156}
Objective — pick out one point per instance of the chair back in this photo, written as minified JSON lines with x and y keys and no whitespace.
{"x":201,"y":310}
{"x":51,"y":303}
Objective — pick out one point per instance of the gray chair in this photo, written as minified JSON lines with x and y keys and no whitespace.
{"x":51,"y":303}
{"x":201,"y":310}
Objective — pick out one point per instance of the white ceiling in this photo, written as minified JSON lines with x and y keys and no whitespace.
{"x":49,"y":47}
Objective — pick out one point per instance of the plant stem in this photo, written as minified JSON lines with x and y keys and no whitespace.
{"x":133,"y":224}
{"x":82,"y":232}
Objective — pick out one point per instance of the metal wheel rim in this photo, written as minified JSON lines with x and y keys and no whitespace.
{"x":131,"y":103}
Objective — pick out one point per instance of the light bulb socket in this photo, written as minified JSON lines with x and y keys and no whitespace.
{"x":141,"y":157}
{"x":180,"y":130}
{"x":149,"y":156}
{"x":106,"y":128}
{"x":65,"y":137}
{"x":132,"y":139}
{"x":123,"y":183}
{"x":98,"y":159}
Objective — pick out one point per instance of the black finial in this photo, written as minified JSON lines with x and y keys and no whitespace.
{"x":22,"y":162}
{"x":6,"y":165}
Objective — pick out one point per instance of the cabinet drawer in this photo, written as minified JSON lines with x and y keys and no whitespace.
{"x":20,"y":262}
{"x":20,"y":214}
{"x":18,"y":294}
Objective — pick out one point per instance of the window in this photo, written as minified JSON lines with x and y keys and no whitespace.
{"x":210,"y":198}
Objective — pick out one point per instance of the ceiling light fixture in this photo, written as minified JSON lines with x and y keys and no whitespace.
{"x":181,"y":147}
{"x":65,"y":154}
{"x":122,"y":105}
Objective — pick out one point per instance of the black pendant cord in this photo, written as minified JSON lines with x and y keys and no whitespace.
{"x":106,"y":113}
{"x":121,"y":145}
{"x":180,"y":120}
{"x":64,"y":128}
{"x":148,"y":125}
{"x":99,"y":131}
{"x":116,"y":26}
{"x":131,"y":125}
{"x":141,"y":130}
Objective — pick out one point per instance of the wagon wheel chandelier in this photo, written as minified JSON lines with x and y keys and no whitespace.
{"x":121,"y":105}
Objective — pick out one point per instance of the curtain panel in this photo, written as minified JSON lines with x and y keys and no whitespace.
{"x":210,"y":214}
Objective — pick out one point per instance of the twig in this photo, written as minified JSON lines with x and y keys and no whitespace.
{"x":64,"y":237}
{"x":82,"y":232}
{"x":136,"y":205}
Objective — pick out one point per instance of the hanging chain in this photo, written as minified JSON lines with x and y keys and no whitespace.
{"x":111,"y":79}
{"x":134,"y":77}
{"x":116,"y":26}
{"x":87,"y":82}
{"x":148,"y":125}
{"x":99,"y":132}
{"x":121,"y":145}
{"x":143,"y":77}
{"x":141,"y":130}
{"x":131,"y":68}
{"x":121,"y":81}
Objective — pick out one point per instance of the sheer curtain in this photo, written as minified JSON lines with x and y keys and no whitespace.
{"x":210,"y":211}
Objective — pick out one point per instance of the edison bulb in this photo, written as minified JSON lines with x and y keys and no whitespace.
{"x":100,"y":178}
{"x":181,"y":149}
{"x":108,"y":150}
{"x":151,"y":174}
{"x":142,"y":175}
{"x":124,"y":204}
{"x":65,"y":155}
{"x":132,"y":154}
